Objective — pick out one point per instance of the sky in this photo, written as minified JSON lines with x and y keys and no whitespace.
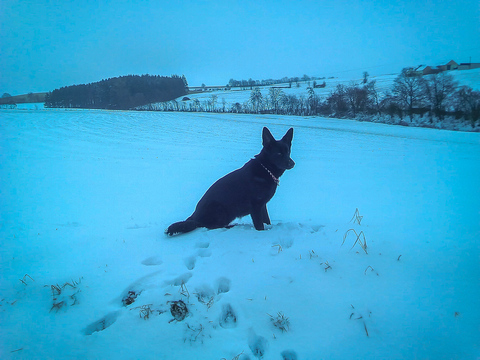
{"x":45,"y":45}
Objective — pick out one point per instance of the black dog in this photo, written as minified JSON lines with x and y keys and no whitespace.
{"x":243,"y":191}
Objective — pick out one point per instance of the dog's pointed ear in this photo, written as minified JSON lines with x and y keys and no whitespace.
{"x":267,"y":137}
{"x":288,"y":137}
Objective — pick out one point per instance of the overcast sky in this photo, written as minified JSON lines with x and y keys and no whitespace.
{"x":45,"y":45}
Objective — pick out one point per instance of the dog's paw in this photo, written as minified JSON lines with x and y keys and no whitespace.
{"x":181,"y":227}
{"x":170,"y":232}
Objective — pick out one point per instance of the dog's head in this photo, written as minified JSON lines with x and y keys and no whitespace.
{"x":278,"y":151}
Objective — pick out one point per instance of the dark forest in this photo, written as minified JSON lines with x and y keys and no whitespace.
{"x":119,"y":93}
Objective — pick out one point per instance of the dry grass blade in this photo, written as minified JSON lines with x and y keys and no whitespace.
{"x":194,"y":333}
{"x":357,"y":217}
{"x":366,"y":331}
{"x":183,"y":290}
{"x":73,"y":284}
{"x":327,"y":266}
{"x":238,"y":356}
{"x":363,"y":244}
{"x":24,"y":279}
{"x":280,"y":322}
{"x":346,"y":234}
{"x":234,"y":358}
{"x":57,"y":306}
{"x":56,"y":290}
{"x":280,"y":249}
{"x":371,"y":269}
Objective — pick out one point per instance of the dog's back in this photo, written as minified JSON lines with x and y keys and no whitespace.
{"x":244,"y":191}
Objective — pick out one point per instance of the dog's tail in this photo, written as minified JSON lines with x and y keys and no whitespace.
{"x":182,"y":227}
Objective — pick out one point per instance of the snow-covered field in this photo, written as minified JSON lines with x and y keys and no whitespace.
{"x":86,"y":195}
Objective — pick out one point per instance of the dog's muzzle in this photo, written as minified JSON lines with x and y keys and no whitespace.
{"x":290,"y":164}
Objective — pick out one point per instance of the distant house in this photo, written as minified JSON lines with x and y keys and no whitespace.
{"x":424,"y":70}
{"x":451,"y":65}
{"x":418,"y":71}
{"x":428,"y":70}
{"x":468,"y":66}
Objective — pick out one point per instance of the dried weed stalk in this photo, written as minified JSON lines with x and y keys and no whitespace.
{"x":280,"y":321}
{"x":183,"y":290}
{"x":357,"y":217}
{"x":24,"y":279}
{"x":280,"y":249}
{"x":359,"y":239}
{"x":371,"y":269}
{"x":57,"y":292}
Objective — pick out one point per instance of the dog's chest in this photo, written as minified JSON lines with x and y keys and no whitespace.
{"x":263,"y":189}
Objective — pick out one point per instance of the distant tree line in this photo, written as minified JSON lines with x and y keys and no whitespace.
{"x":250,"y":83}
{"x":10,"y":102}
{"x":431,"y":98}
{"x":434,"y":96}
{"x":119,"y":93}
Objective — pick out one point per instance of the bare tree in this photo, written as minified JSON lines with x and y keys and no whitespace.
{"x":357,"y":98}
{"x":236,"y":108}
{"x":373,"y":97}
{"x":439,"y":89}
{"x":196,"y":104}
{"x":337,"y":100}
{"x":224,"y":104}
{"x":365,"y":77}
{"x":312,"y":101}
{"x":256,"y":99}
{"x":408,"y":89}
{"x":213,"y":101}
{"x":274,"y":95}
{"x":469,"y":103}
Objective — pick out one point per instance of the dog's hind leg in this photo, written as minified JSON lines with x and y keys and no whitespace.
{"x":212,"y":215}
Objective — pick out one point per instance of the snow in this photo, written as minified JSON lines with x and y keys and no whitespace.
{"x":467,"y":78}
{"x":86,"y":196}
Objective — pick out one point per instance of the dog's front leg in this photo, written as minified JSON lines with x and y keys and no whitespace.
{"x":265,"y":217}
{"x":257,"y":217}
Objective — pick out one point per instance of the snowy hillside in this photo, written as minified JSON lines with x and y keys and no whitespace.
{"x":87,"y":272}
{"x":384,"y":83}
